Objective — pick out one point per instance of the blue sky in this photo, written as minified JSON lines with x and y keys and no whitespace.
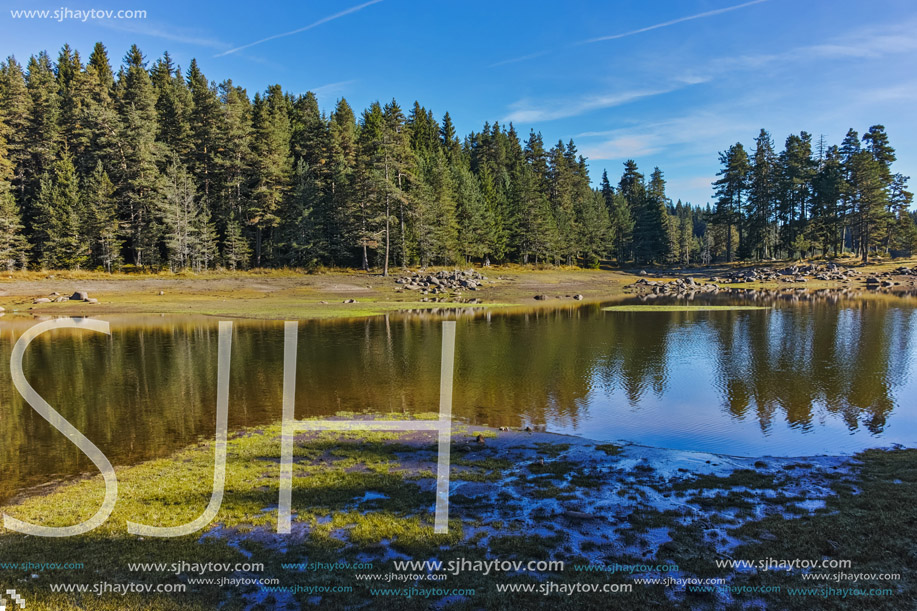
{"x":666,"y":83}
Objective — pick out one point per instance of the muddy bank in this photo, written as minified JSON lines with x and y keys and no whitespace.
{"x":615,"y":515}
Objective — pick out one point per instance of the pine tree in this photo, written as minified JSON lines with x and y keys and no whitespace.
{"x":73,"y":94}
{"x":104,"y":227}
{"x":205,"y":126}
{"x":633,"y":190}
{"x":101,"y":125}
{"x":448,"y":138}
{"x":473,"y":216}
{"x":234,"y":157}
{"x":311,"y":147}
{"x":180,"y":209}
{"x":59,"y":241}
{"x":300,"y":225}
{"x":13,"y":245}
{"x":869,"y":198}
{"x":139,"y":178}
{"x":236,"y":250}
{"x":204,"y":248}
{"x":43,"y":132}
{"x":592,"y":218}
{"x":827,"y":196}
{"x":762,"y":190}
{"x":340,"y":225}
{"x":795,"y":189}
{"x":657,"y":219}
{"x":273,"y":168}
{"x":173,"y":108}
{"x":730,"y":191}
{"x":15,"y":107}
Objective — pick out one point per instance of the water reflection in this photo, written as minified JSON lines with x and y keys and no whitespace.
{"x":820,"y":373}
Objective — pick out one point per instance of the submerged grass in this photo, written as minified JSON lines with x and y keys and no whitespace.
{"x":368,"y":496}
{"x":681,"y":308}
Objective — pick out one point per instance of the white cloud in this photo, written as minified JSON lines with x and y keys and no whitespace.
{"x":666,"y":24}
{"x":525,"y":111}
{"x":622,"y":147}
{"x":321,"y":21}
{"x":331,"y":89}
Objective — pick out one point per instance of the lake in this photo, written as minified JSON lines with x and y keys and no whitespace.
{"x":810,"y":375}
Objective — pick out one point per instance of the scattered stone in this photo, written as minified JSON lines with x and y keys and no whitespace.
{"x":578,"y":297}
{"x":442,"y":282}
{"x":541,"y":297}
{"x":350,"y":301}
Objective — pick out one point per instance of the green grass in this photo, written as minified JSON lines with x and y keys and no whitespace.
{"x":870,"y":521}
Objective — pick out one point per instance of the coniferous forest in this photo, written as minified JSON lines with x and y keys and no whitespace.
{"x":149,"y":166}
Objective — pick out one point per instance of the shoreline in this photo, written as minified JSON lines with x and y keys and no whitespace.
{"x":293,"y":294}
{"x":361,"y":496}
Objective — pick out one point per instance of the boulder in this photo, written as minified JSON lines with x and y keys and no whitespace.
{"x":541,"y":297}
{"x":42,"y":300}
{"x":578,"y":297}
{"x":79,"y":296}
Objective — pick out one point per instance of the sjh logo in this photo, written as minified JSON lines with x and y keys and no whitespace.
{"x":17,"y":600}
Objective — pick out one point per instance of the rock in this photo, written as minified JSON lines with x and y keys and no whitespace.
{"x":323,"y":302}
{"x":79,"y":296}
{"x":872,"y":280}
{"x":578,"y":297}
{"x":541,"y":297}
{"x":690,"y":281}
{"x":350,"y":301}
{"x":92,"y":300}
{"x":60,"y":300}
{"x":161,"y":293}
{"x":42,"y":300}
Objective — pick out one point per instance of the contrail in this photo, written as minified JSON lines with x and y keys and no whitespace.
{"x":303,"y":29}
{"x":673,"y":22}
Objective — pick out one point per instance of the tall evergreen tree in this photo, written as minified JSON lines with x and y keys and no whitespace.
{"x":104,"y":227}
{"x":273,"y":168}
{"x":731,"y":189}
{"x":139,"y":177}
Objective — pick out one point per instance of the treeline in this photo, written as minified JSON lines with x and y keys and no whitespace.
{"x":154,"y":167}
{"x":802,"y":202}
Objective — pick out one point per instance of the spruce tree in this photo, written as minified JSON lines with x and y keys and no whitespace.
{"x":139,"y":178}
{"x":104,"y":226}
{"x":13,"y":245}
{"x":730,"y":191}
{"x":341,"y":222}
{"x":273,"y":168}
{"x":59,"y":233}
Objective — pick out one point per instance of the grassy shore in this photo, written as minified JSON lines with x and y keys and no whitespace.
{"x":289,"y":294}
{"x":362,"y":497}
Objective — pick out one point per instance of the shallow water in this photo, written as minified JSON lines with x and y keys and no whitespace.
{"x":805,"y":377}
